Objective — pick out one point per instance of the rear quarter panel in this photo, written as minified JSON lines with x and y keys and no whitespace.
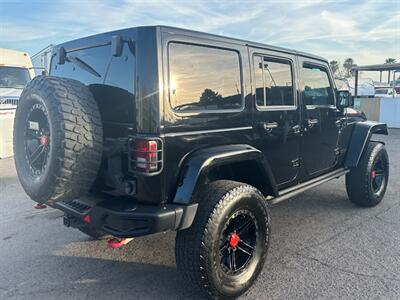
{"x":184,"y":133}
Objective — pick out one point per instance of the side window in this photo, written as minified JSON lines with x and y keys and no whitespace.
{"x":204,"y":78}
{"x":273,"y":82}
{"x":317,"y":89}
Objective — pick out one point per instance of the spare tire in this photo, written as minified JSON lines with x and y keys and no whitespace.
{"x":58,"y":139}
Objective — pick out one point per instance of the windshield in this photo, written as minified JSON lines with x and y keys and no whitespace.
{"x":13,"y":77}
{"x":381,"y":91}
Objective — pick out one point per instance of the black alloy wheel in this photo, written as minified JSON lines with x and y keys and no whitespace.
{"x":224,"y":250}
{"x":238,"y":241}
{"x":37,"y":139}
{"x":378,"y":177}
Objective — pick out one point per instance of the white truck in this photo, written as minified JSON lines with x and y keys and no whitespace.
{"x":15,"y":72}
{"x":365,"y":86}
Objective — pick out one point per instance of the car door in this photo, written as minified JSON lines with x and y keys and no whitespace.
{"x":276,"y":113}
{"x":321,"y":118}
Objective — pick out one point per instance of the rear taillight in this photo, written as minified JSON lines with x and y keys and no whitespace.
{"x":146,"y":155}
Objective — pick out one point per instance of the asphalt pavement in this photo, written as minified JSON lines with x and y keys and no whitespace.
{"x":322,"y":247}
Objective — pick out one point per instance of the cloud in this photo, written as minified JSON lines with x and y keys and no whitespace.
{"x":327,"y":28}
{"x":11,"y":32}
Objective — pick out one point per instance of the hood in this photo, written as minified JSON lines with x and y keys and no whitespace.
{"x":10,"y":92}
{"x":355,"y":114}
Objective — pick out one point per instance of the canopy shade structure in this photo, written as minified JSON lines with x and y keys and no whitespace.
{"x":395,"y":67}
{"x":381,"y":67}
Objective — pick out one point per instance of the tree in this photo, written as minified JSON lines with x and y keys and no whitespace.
{"x":348,"y":65}
{"x":390,"y":60}
{"x":209,"y":97}
{"x":334,"y":66}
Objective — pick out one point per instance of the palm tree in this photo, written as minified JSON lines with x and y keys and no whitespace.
{"x":348,"y":65}
{"x":334,"y":66}
{"x":390,"y":60}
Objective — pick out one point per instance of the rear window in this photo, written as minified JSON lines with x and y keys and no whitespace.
{"x":204,"y":78}
{"x":96,"y":65}
{"x":111,"y":79}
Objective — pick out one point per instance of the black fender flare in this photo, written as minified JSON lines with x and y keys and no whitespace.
{"x":361,"y":136}
{"x":199,"y":162}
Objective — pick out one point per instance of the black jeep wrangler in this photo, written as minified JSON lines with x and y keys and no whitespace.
{"x":154,"y":128}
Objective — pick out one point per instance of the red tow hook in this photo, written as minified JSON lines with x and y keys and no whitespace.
{"x":118,"y":243}
{"x":40,"y":206}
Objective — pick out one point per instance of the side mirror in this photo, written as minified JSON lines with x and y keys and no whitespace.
{"x":344,"y":99}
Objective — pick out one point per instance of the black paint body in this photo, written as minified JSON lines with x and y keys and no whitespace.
{"x":304,"y":141}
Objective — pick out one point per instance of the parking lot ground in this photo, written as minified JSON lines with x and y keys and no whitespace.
{"x":322,"y":246}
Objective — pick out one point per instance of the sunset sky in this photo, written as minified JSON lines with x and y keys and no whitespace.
{"x":368,"y":31}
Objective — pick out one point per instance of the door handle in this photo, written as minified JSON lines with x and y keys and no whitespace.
{"x":312,"y":122}
{"x":269,"y":126}
{"x":296,"y":129}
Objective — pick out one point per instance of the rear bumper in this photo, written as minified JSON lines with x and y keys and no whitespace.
{"x":126,"y":219}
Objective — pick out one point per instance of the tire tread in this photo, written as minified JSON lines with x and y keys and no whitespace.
{"x":79,"y":133}
{"x":358,"y":179}
{"x":191,"y":245}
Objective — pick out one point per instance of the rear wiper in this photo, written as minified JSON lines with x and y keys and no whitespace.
{"x":81,"y":64}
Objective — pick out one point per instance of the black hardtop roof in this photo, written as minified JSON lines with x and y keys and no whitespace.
{"x":199,"y":34}
{"x":236,"y":40}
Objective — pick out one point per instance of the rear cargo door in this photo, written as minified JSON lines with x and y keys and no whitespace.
{"x":109,"y":78}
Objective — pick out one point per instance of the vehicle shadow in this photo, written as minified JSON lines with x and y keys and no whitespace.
{"x":92,"y":278}
{"x":146,"y":267}
{"x":81,"y":268}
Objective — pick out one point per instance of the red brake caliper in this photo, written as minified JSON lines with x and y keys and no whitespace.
{"x":234,"y":240}
{"x":373,"y":174}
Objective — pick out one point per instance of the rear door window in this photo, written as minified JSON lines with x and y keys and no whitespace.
{"x":273,"y":82}
{"x":204,"y":78}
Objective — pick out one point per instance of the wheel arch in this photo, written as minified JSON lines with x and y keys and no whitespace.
{"x":224,"y":162}
{"x":361,"y":136}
